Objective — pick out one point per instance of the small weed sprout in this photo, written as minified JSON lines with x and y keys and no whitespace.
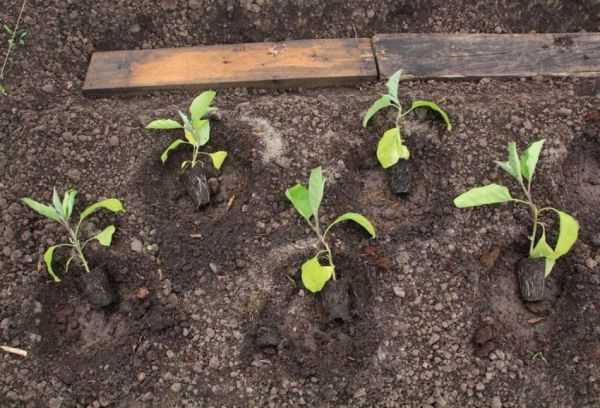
{"x":16,"y":37}
{"x":196,"y":130}
{"x":61,"y":211}
{"x":391,"y":147}
{"x":522,"y":169}
{"x":307,"y":202}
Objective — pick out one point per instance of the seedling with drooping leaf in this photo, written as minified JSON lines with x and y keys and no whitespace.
{"x":61,"y":212}
{"x":522,"y":168}
{"x":391,"y":147}
{"x":307,"y":202}
{"x":196,"y":129}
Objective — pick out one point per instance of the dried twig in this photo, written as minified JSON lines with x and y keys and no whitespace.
{"x":11,"y":43}
{"x":14,"y":350}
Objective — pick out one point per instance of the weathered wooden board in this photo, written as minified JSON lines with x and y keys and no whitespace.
{"x":306,"y":63}
{"x":431,"y":56}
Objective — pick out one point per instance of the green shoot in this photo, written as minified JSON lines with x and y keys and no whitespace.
{"x":16,"y":37}
{"x":307,"y":202}
{"x":522,"y":168}
{"x":61,"y":211}
{"x":196,"y":130}
{"x":391,"y":147}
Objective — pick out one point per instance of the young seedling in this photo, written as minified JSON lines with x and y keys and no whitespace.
{"x":16,"y":37}
{"x":61,"y":212}
{"x":391,"y":147}
{"x":196,"y":131}
{"x":307,"y":202}
{"x":522,"y":169}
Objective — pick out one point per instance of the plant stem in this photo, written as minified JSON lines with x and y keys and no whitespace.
{"x":11,"y":43}
{"x":535,"y":213}
{"x":77,"y":245}
{"x":323,"y":242}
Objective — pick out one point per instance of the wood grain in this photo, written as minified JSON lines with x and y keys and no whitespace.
{"x":436,"y":56}
{"x":305,"y":63}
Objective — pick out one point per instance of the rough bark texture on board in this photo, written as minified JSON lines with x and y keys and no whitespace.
{"x":305,"y":63}
{"x":433,"y":56}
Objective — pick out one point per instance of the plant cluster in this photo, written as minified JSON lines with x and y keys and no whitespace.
{"x":391,"y":147}
{"x":61,"y":211}
{"x":522,"y":168}
{"x":307,"y":202}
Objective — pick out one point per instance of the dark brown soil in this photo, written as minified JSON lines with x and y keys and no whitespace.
{"x":210,"y":309}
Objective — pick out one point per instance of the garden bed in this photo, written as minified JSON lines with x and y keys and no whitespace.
{"x":211,"y":311}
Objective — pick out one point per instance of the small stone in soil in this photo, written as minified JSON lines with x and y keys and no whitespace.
{"x":399,"y":177}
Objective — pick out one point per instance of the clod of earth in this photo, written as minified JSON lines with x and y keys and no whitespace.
{"x":97,"y":288}
{"x":196,"y":184}
{"x":531,"y":279}
{"x":399,"y":177}
{"x":335,"y":298}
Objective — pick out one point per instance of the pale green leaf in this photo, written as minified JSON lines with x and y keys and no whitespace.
{"x":549,"y":264}
{"x":187,"y":125}
{"x":201,"y":104}
{"x":105,"y":237}
{"x":298,"y":195}
{"x":357,"y":218}
{"x":315,"y":275}
{"x":529,"y":159}
{"x":111,"y":204}
{"x":57,"y":203}
{"x":390,"y":148}
{"x":69,"y":202}
{"x":542,"y":249}
{"x":165,"y":155}
{"x":48,"y":255}
{"x":42,"y":209}
{"x":378,"y":105}
{"x":218,"y":158}
{"x":189,"y":136}
{"x":316,"y":187}
{"x":568,"y":233}
{"x":490,"y":194}
{"x":514,"y":161}
{"x":392,"y":85}
{"x":164,"y":124}
{"x":202,"y":132}
{"x":504,"y":165}
{"x":434,"y":107}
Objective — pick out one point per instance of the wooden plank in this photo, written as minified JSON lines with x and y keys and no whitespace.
{"x":306,"y":63}
{"x":434,"y":56}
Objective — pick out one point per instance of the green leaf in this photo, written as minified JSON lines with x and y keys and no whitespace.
{"x":202,"y":132}
{"x":298,"y":195}
{"x":378,"y":105}
{"x":189,"y":136}
{"x":315,"y":275}
{"x":42,"y":209}
{"x":568,"y":233}
{"x":111,"y":204}
{"x":187,"y":125}
{"x":105,"y":237}
{"x":434,"y":107}
{"x":218,"y":158}
{"x":529,"y":159}
{"x":3,"y":90}
{"x":316,"y":187}
{"x":48,"y":255}
{"x":201,"y":104}
{"x":357,"y":218}
{"x":549,"y":264}
{"x":392,"y":85}
{"x":57,"y":203}
{"x":514,"y":162}
{"x":490,"y":194}
{"x":69,"y":202}
{"x":542,"y":249}
{"x":164,"y":124}
{"x":165,"y":155}
{"x":390,"y":148}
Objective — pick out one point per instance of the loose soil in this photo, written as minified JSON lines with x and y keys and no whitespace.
{"x":211,"y":312}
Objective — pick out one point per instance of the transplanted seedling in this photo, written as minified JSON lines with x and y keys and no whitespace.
{"x":391,"y":147}
{"x":61,"y":212}
{"x":522,"y":168}
{"x":196,"y":129}
{"x":307,"y":202}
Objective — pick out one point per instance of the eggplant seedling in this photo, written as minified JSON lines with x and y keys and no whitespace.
{"x":196,"y":129}
{"x":391,"y":147}
{"x":61,"y":212}
{"x":522,"y":169}
{"x":307,"y":202}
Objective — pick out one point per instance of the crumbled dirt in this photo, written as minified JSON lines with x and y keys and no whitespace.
{"x":211,"y":312}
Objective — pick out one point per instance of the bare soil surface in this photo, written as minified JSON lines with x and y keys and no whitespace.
{"x":211,"y":312}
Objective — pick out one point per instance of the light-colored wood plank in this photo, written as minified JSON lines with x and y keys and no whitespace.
{"x":306,"y":63}
{"x":434,"y":56}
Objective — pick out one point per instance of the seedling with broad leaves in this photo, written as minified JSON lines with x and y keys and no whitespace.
{"x":61,"y":211}
{"x":196,"y":129}
{"x":307,"y":202}
{"x":391,"y":147}
{"x":522,"y":169}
